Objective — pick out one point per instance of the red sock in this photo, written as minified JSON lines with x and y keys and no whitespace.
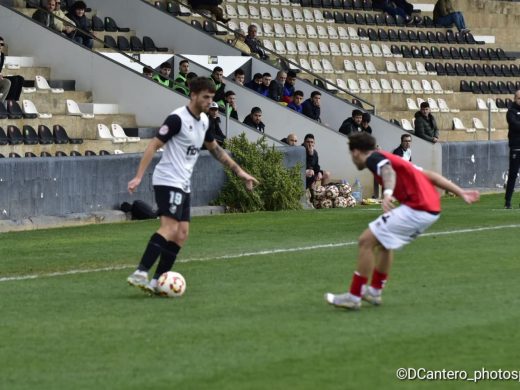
{"x":378,"y":279}
{"x":357,"y":282}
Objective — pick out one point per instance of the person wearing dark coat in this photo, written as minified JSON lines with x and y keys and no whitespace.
{"x":277,"y":85}
{"x":10,"y":86}
{"x":46,"y":17}
{"x":513,"y":135}
{"x":254,"y":120}
{"x":211,"y":6}
{"x":425,"y":125}
{"x":77,"y":15}
{"x":404,"y":150}
{"x":353,"y":124}
{"x":311,"y":107}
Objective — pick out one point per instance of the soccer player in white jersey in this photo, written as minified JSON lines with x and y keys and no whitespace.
{"x":182,"y":135}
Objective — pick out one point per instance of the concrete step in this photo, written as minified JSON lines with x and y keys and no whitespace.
{"x":28,"y":73}
{"x":54,"y":103}
{"x":463,"y":136}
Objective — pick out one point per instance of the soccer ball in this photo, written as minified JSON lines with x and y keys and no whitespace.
{"x":326,"y":204}
{"x":331,"y":192}
{"x":319,"y":192}
{"x":344,"y":190}
{"x":171,"y":284}
{"x":340,"y":202}
{"x":351,"y":201}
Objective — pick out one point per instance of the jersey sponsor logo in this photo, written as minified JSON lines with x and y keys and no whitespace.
{"x":192,"y":150}
{"x":164,"y":130}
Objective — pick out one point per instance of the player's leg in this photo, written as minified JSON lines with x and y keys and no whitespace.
{"x":514,"y":164}
{"x":384,"y":258}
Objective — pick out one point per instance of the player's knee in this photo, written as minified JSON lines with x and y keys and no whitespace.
{"x":366,"y":240}
{"x":182,"y":234}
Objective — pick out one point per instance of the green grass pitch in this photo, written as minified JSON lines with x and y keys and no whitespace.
{"x":260,"y":321}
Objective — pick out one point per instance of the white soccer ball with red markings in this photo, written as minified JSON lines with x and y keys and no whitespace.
{"x":319,"y":192}
{"x":331,"y":192}
{"x":340,"y":202}
{"x":351,"y":201}
{"x":326,"y":204}
{"x":344,"y":190}
{"x":171,"y":284}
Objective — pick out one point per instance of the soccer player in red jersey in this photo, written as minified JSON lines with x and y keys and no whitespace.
{"x":419,"y":208}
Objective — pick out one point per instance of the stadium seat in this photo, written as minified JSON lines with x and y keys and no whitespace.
{"x":411,"y":104}
{"x":426,"y":86}
{"x":90,"y":153}
{"x":75,"y":153}
{"x":149,"y":45}
{"x":43,"y":86}
{"x":45,"y":154}
{"x":109,"y":42}
{"x":396,"y":86}
{"x":407,"y":87}
{"x":410,"y":69}
{"x":14,"y":135}
{"x":14,"y":110}
{"x":365,"y":50}
{"x":14,"y":155}
{"x":360,"y":69}
{"x":459,"y":69}
{"x":405,"y":124}
{"x":118,"y":132}
{"x":390,"y":67}
{"x":122,"y":43}
{"x":364,"y":86}
{"x":44,"y":135}
{"x":59,"y":153}
{"x":29,"y":135}
{"x":458,"y":125}
{"x":376,"y":50}
{"x":104,"y":134}
{"x":437,"y":88}
{"x":61,"y":136}
{"x":4,"y":140}
{"x":349,"y":66}
{"x":433,"y":105}
{"x":353,"y":86}
{"x":111,"y":25}
{"x":97,"y":24}
{"x":417,"y":88}
{"x":30,"y":111}
{"x":73,"y":109}
{"x":450,"y":70}
{"x":386,"y":87}
{"x":104,"y":153}
{"x":29,"y":155}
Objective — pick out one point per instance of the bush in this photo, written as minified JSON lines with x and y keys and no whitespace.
{"x":279,"y":189}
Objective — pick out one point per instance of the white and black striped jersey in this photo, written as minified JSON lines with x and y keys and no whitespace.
{"x":183,"y":135}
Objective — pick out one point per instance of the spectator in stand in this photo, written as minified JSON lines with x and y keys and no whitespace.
{"x":66,"y":26}
{"x":163,"y":77}
{"x":240,"y":43}
{"x":239,"y":76}
{"x":10,"y":86}
{"x":288,"y":88}
{"x":353,"y":124}
{"x":254,"y":120}
{"x":218,"y":76}
{"x":425,"y":124}
{"x":266,"y":82}
{"x":214,"y":123}
{"x":230,"y":107}
{"x":277,"y":85}
{"x":253,"y":43}
{"x":147,"y":72}
{"x":365,"y":123}
{"x":211,"y":6}
{"x":311,"y":107}
{"x":404,"y":150}
{"x":255,"y":83}
{"x":513,"y":136}
{"x":313,"y":170}
{"x":296,"y":103}
{"x":444,"y":14}
{"x":181,"y":80}
{"x":46,"y":17}
{"x":77,"y":15}
{"x":395,"y":7}
{"x":185,"y":90}
{"x":291,"y":139}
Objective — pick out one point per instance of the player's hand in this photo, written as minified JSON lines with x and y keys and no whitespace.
{"x":388,"y":203}
{"x":470,"y":196}
{"x":249,"y":180}
{"x":133,"y":184}
{"x":309,"y":173}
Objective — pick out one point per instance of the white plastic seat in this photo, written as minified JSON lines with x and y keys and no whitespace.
{"x":118,"y":132}
{"x":324,"y":49}
{"x":407,"y":88}
{"x":374,"y":86}
{"x":410,"y":103}
{"x":28,"y":107}
{"x":327,"y":66}
{"x":287,"y":15}
{"x":28,"y":89}
{"x":401,"y":67}
{"x":333,"y":33}
{"x":477,"y":123}
{"x":458,"y":125}
{"x":276,"y":14}
{"x":274,"y":2}
{"x":481,"y":104}
{"x":349,"y":66}
{"x":364,"y":86}
{"x":331,"y":86}
{"x":231,"y":12}
{"x":343,"y":33}
{"x":433,"y":105}
{"x":334,"y":49}
{"x":420,"y":101}
{"x":410,"y":69}
{"x":287,"y":3}
{"x":390,"y":67}
{"x":492,"y":104}
{"x":242,"y":12}
{"x":311,"y":32}
{"x":43,"y":86}
{"x":318,"y":16}
{"x":370,"y":67}
{"x":341,"y":84}
{"x":426,"y":86}
{"x":376,"y":50}
{"x":396,"y":86}
{"x":308,"y":16}
{"x":405,"y":124}
{"x":184,"y":10}
{"x":416,"y":86}
{"x":305,"y":64}
{"x":268,"y":30}
{"x":386,"y":86}
{"x":300,"y":31}
{"x":385,"y":49}
{"x":291,"y":48}
{"x":279,"y":47}
{"x":105,"y":135}
{"x":261,"y":1}
{"x":365,"y":50}
{"x":289,"y":31}
{"x":356,"y":51}
{"x":316,"y":66}
{"x":345,"y":49}
{"x":73,"y":109}
{"x":243,"y":26}
{"x":264,"y":13}
{"x":420,"y":68}
{"x":268,"y":45}
{"x":297,"y":15}
{"x":443,"y":106}
{"x":313,"y":48}
{"x":253,"y":12}
{"x":322,"y":32}
{"x":352,"y":33}
{"x":438,"y":89}
{"x":360,"y":69}
{"x":302,"y":48}
{"x":353,"y":86}
{"x":232,"y":25}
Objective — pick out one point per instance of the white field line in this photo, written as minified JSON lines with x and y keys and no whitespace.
{"x":245,"y":254}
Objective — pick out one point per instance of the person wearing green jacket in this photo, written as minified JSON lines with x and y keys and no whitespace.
{"x":425,"y":125}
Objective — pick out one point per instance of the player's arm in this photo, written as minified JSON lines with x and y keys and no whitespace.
{"x":388,"y":177}
{"x":440,"y":181}
{"x":148,"y":154}
{"x":220,"y":155}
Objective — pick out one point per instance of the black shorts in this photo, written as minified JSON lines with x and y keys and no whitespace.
{"x":172,"y":202}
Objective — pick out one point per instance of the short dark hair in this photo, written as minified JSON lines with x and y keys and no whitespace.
{"x":425,"y":105}
{"x":257,"y":76}
{"x":357,"y":112}
{"x":366,"y":117}
{"x":256,"y":110}
{"x":307,"y":136}
{"x":240,"y":72}
{"x":166,"y":65}
{"x":361,"y":141}
{"x":79,"y":5}
{"x":403,"y":136}
{"x":229,"y":93}
{"x":315,"y":93}
{"x":146,"y":69}
{"x":217,"y":69}
{"x":184,"y":62}
{"x":291,"y":73}
{"x":199,"y":84}
{"x":266,"y":74}
{"x":191,"y":75}
{"x":298,"y":93}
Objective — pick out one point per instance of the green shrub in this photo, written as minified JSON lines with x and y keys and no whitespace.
{"x":279,"y":189}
